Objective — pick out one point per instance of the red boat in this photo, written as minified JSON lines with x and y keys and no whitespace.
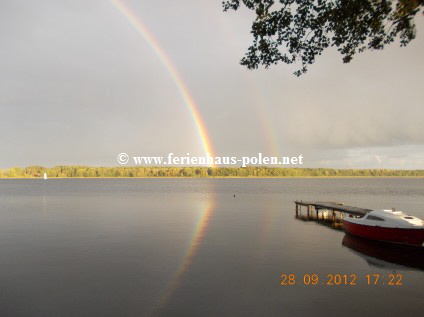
{"x":386,"y":225}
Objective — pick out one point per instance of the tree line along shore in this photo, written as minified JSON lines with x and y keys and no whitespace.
{"x":198,"y":172}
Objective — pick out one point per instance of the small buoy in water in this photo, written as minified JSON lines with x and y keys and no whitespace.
{"x":234,"y":195}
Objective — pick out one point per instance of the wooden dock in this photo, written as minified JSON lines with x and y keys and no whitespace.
{"x":330,"y":212}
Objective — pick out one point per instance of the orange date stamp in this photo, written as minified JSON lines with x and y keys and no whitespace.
{"x":341,"y":279}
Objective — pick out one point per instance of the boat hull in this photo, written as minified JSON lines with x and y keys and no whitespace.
{"x":395,"y":235}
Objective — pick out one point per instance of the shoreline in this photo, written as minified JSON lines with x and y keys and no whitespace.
{"x":209,"y":177}
{"x":34,"y":172}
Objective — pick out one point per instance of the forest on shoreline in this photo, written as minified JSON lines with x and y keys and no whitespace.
{"x":198,"y":172}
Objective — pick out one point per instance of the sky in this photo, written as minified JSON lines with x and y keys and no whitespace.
{"x":80,"y":83}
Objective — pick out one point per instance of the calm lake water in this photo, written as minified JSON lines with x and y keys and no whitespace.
{"x":188,"y":247}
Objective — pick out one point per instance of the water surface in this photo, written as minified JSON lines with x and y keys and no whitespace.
{"x":188,"y":247}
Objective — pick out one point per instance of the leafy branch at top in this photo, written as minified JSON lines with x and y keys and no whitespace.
{"x":296,"y":31}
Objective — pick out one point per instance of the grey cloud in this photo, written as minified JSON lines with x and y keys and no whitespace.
{"x":79,"y":85}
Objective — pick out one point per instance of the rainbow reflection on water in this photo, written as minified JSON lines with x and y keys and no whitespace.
{"x":196,"y":239}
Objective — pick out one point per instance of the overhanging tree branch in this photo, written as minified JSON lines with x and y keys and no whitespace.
{"x":293,"y":31}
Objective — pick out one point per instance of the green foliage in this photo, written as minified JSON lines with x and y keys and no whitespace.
{"x":291,"y":31}
{"x":200,"y":172}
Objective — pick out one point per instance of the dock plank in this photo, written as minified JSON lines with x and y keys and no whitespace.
{"x":334,"y":206}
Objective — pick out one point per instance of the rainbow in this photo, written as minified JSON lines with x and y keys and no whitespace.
{"x":197,"y":236}
{"x":268,"y":127}
{"x":169,"y":66}
{"x":263,"y":112}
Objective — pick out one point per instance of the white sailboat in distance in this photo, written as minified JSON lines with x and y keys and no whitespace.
{"x":45,"y":175}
